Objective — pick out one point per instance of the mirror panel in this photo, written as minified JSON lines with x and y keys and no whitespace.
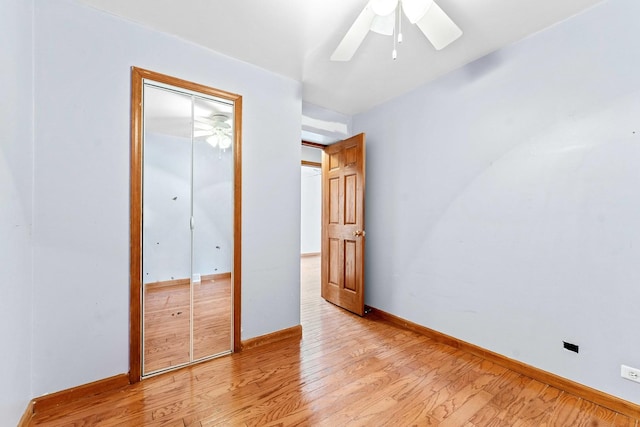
{"x":166,"y":236}
{"x":213,"y":229}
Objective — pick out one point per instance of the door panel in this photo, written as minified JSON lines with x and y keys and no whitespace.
{"x":334,"y":262}
{"x":350,"y":199}
{"x":343,"y":237}
{"x":334,"y":201}
{"x":350,"y":270}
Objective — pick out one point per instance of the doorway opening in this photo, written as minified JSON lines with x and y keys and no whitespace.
{"x":342,"y":223}
{"x":311,"y":224}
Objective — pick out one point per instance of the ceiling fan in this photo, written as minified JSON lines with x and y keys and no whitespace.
{"x":381,"y":16}
{"x":215,"y":129}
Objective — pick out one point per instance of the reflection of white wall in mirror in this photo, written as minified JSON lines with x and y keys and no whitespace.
{"x":311,"y":209}
{"x":212,"y":209}
{"x":167,"y":198}
{"x":166,"y":209}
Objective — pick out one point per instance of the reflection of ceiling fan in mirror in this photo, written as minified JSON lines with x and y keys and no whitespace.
{"x":385,"y":17}
{"x":215,"y":129}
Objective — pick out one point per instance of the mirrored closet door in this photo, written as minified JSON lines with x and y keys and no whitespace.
{"x":187,"y":226}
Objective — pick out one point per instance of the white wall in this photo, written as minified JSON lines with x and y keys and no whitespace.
{"x":324,"y":126}
{"x":81,"y":236}
{"x":503,"y":200}
{"x":311,"y":209}
{"x":16,"y":190}
{"x":311,"y":154}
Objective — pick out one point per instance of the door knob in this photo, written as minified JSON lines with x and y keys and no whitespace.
{"x":359,"y":233}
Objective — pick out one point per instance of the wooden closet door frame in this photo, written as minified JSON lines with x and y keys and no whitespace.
{"x":138,"y":75}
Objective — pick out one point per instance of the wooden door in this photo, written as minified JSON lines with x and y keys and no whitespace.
{"x":343,"y":235}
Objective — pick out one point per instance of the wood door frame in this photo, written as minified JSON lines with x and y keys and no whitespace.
{"x":138,"y":75}
{"x":314,"y":144}
{"x":310,"y":164}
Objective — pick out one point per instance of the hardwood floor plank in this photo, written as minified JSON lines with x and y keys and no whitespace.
{"x":569,"y":411}
{"x":471,"y":391}
{"x":469,"y":407}
{"x":595,"y":415}
{"x":539,"y":410}
{"x":346,"y":370}
{"x":487,"y":416}
{"x":512,"y":412}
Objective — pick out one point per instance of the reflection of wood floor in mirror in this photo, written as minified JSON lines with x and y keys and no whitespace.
{"x":167,"y":315}
{"x":346,"y":371}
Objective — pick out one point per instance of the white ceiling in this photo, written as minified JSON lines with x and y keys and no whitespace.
{"x":296,"y":38}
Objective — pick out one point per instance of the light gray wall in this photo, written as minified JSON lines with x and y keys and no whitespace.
{"x":503,"y":201}
{"x":311,"y":154}
{"x":81,"y":237}
{"x":16,"y":207}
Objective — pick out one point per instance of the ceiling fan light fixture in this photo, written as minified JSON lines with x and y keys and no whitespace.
{"x":225,"y":142}
{"x":383,"y":7}
{"x":383,"y":24}
{"x":219,"y":134}
{"x":212,"y":140}
{"x":219,"y":140}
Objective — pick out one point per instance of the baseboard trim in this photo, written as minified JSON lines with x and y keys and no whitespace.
{"x":217,"y":276}
{"x":167,"y":283}
{"x":596,"y":396}
{"x":310,"y":254}
{"x":186,"y":282}
{"x":48,"y":401}
{"x":25,"y":420}
{"x":294,"y":332}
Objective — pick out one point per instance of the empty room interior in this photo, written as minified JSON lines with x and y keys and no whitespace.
{"x":502,"y":208}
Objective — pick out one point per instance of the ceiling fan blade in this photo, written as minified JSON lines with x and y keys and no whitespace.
{"x":201,"y":133}
{"x":201,"y":125}
{"x":415,"y":9}
{"x":383,"y":7}
{"x":354,"y":37}
{"x":438,"y":27}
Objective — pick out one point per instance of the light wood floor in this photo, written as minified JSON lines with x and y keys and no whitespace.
{"x":346,"y":371}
